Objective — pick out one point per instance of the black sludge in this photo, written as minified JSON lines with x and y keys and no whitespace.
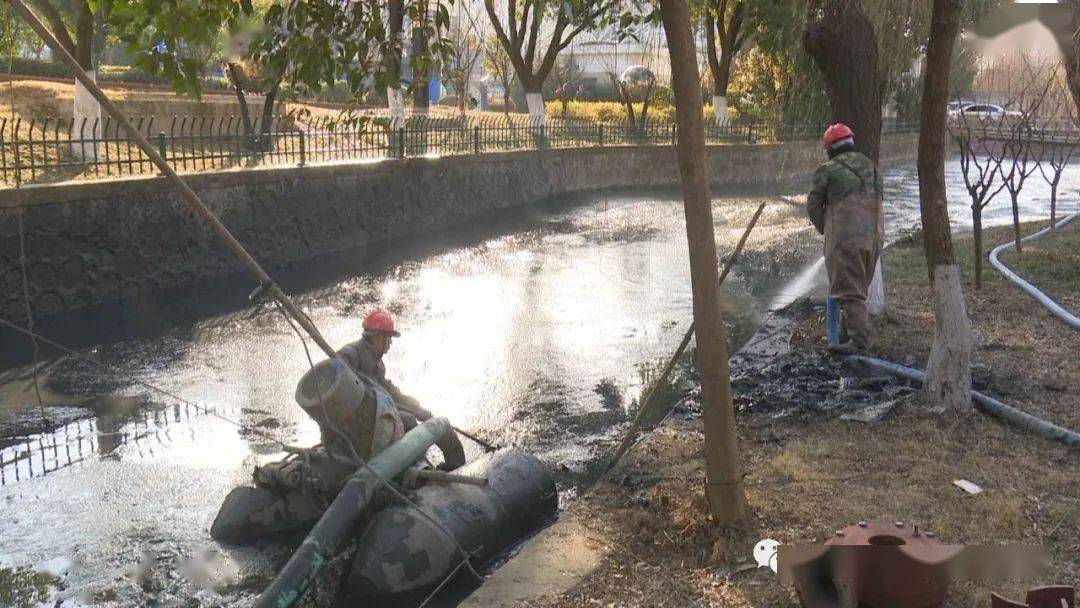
{"x":401,"y":552}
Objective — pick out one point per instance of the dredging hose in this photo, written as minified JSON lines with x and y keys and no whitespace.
{"x":988,"y":405}
{"x":1056,"y":309}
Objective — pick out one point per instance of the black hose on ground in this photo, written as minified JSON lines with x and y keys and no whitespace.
{"x":988,"y":405}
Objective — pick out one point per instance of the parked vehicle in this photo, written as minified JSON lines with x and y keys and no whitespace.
{"x":955,"y":106}
{"x":982,"y":112}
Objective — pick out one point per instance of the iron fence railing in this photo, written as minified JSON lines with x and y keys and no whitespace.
{"x":51,"y":150}
{"x":1014,"y":128}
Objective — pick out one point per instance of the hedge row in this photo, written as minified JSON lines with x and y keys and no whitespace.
{"x":23,"y":66}
{"x":604,"y":111}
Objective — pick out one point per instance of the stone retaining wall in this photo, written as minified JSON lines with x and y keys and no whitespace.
{"x":97,"y":242}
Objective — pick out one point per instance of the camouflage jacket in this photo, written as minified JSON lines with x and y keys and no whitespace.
{"x":835,"y":179}
{"x":361,"y":356}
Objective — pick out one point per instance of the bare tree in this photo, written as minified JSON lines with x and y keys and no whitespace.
{"x":534,"y":32}
{"x":1022,"y":164}
{"x":247,"y":77}
{"x":1056,"y":139}
{"x":566,"y":75}
{"x":723,"y":481}
{"x":980,"y":160}
{"x":467,"y":33}
{"x":635,"y":85}
{"x":1062,"y":19}
{"x":497,"y":63}
{"x":726,"y":28}
{"x":1019,"y":143}
{"x":841,"y":40}
{"x":421,"y":81}
{"x":948,"y":369}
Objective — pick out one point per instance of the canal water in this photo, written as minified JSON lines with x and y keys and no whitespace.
{"x":536,"y":329}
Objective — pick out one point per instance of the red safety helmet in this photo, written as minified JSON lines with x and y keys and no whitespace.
{"x":835,"y":133}
{"x":379,"y":322}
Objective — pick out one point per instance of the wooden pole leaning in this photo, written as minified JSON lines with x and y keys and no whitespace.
{"x":646,"y":402}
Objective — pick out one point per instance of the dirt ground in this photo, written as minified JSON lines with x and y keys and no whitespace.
{"x":809,"y":473}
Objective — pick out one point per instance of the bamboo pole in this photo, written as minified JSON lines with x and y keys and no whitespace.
{"x":639,"y":420}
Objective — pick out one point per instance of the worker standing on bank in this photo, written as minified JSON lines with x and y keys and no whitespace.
{"x":365,"y":356}
{"x":845,"y":205}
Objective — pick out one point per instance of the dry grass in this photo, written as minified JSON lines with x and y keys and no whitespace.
{"x":1029,"y":355}
{"x":666,"y":550}
{"x":807,"y":476}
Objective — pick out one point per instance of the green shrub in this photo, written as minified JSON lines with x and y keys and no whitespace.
{"x":34,"y":67}
{"x":605,"y":111}
{"x":128,"y":74}
{"x":663,"y":97}
{"x":602,"y":111}
{"x":449,"y":100}
{"x":339,"y":93}
{"x":106,"y":73}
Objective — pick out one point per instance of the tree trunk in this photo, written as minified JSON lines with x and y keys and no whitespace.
{"x":395,"y":99}
{"x":421,"y":78}
{"x":84,"y":36}
{"x":723,"y":32}
{"x":976,"y":229}
{"x":721,"y":78}
{"x":723,"y":479}
{"x":631,"y":120}
{"x":85,"y":110}
{"x":645,"y":108}
{"x":266,"y":132}
{"x":395,"y":102}
{"x":461,"y":85}
{"x":948,"y":370}
{"x":1015,"y":197}
{"x":1053,"y":201}
{"x":844,"y":47}
{"x":241,"y":98}
{"x":535,"y":101}
{"x":721,"y":113}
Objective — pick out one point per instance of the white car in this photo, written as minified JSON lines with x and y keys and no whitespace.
{"x":983,"y":111}
{"x":955,"y":106}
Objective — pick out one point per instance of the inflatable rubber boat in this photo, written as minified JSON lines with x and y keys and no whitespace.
{"x":403,"y":548}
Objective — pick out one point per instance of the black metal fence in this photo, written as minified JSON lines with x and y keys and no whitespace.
{"x":51,"y":150}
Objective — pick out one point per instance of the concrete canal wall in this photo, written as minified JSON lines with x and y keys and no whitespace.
{"x":97,"y":242}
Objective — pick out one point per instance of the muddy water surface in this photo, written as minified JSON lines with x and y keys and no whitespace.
{"x":536,"y":330}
